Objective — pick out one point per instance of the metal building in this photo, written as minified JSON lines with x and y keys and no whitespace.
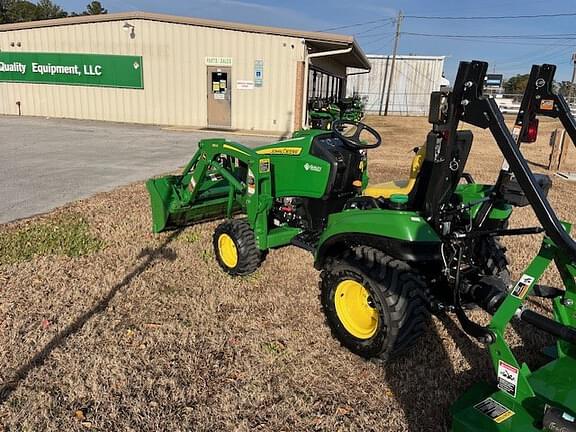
{"x":414,"y":78}
{"x":148,"y":68}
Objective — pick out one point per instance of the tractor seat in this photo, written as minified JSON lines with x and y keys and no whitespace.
{"x":402,"y":187}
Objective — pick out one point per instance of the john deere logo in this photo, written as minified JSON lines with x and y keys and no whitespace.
{"x":310,"y":167}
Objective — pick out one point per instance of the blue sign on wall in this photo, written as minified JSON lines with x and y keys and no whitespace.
{"x":258,"y":73}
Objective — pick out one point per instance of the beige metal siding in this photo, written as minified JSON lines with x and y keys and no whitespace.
{"x":174,"y":74}
{"x":414,"y":79}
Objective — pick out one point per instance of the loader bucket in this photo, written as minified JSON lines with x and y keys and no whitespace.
{"x":172,"y":207}
{"x":161,"y":192}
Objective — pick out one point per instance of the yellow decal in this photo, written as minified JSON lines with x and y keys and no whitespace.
{"x":289,"y":151}
{"x":503,"y":417}
{"x":229,"y":147}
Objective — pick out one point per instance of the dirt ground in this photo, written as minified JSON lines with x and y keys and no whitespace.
{"x":146,"y":333}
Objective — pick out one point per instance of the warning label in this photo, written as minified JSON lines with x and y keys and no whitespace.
{"x":522,"y":287}
{"x":547,"y":104}
{"x":496,"y":411}
{"x":516,"y":132}
{"x":507,"y":378}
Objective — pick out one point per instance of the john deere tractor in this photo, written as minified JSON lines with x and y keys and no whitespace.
{"x":392,"y":253}
{"x":323,"y":112}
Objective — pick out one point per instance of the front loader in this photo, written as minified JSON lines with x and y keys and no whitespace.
{"x":390,"y":254}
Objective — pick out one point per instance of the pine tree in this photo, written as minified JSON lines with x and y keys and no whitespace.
{"x":45,"y":9}
{"x":95,"y":8}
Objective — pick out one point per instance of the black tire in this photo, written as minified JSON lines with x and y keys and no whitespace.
{"x":248,"y":257}
{"x":493,"y":259}
{"x":397,"y":292}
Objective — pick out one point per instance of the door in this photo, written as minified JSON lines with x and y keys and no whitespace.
{"x":219,"y":97}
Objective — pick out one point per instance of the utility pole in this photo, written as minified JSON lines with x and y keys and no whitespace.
{"x":384,"y":80}
{"x":396,"y":40}
{"x":571,"y":92}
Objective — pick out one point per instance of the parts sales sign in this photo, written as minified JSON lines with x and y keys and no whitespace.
{"x":98,"y":70}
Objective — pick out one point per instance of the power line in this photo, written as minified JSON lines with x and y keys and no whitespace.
{"x":386,"y":38}
{"x":384,"y":20}
{"x":508,"y":42}
{"x":370,"y":37}
{"x":492,"y":17}
{"x":376,"y":28}
{"x":558,"y":36}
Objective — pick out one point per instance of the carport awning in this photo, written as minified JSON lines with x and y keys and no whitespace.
{"x":354,"y":59}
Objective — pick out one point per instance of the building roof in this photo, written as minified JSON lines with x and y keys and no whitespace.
{"x":405,"y":57}
{"x":317,"y":41}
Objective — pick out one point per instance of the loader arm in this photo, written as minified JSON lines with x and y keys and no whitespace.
{"x":222,"y":178}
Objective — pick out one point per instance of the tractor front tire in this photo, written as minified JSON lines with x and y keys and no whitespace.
{"x":235,"y":248}
{"x":375,"y":305}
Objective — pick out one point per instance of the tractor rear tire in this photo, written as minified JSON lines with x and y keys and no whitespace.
{"x":235,"y":247}
{"x":375,"y":305}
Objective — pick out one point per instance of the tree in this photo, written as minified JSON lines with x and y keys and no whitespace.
{"x":516,"y":84}
{"x":45,"y":9}
{"x":95,"y":8}
{"x":21,"y":11}
{"x":5,"y":6}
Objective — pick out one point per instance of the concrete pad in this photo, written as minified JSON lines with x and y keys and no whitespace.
{"x":46,"y":163}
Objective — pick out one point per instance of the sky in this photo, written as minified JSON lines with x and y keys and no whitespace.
{"x":508,"y":56}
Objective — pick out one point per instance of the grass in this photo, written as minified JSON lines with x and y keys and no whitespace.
{"x":148,"y":333}
{"x":65,"y":235}
{"x":189,"y":236}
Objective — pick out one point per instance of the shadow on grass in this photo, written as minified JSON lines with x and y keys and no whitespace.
{"x":425,"y":382}
{"x":150,"y":256}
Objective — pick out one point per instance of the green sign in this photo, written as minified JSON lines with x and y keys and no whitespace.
{"x":72,"y":69}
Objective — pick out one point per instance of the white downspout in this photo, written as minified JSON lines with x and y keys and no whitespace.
{"x":306,"y":72}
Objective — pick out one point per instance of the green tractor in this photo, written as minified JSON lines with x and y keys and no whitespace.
{"x":324,"y":112}
{"x":391,"y":254}
{"x":352,"y":108}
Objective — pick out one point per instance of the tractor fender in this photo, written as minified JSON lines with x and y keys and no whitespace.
{"x":403,"y":235}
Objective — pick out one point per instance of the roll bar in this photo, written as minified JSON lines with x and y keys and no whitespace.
{"x":472,"y":107}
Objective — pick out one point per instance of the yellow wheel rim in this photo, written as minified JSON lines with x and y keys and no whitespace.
{"x":227,"y":250}
{"x":354,"y":310}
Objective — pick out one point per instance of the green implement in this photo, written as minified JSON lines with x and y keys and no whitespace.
{"x":391,"y":254}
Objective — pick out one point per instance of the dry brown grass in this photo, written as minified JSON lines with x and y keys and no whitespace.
{"x":149,"y":334}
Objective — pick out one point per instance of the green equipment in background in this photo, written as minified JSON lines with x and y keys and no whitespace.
{"x":323,"y":112}
{"x":390,"y":254}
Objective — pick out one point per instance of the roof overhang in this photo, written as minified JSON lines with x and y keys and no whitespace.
{"x":354,"y":59}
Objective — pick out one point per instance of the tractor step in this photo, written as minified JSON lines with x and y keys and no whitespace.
{"x":306,"y":240}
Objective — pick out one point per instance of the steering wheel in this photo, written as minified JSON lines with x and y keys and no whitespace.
{"x":353,"y":140}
